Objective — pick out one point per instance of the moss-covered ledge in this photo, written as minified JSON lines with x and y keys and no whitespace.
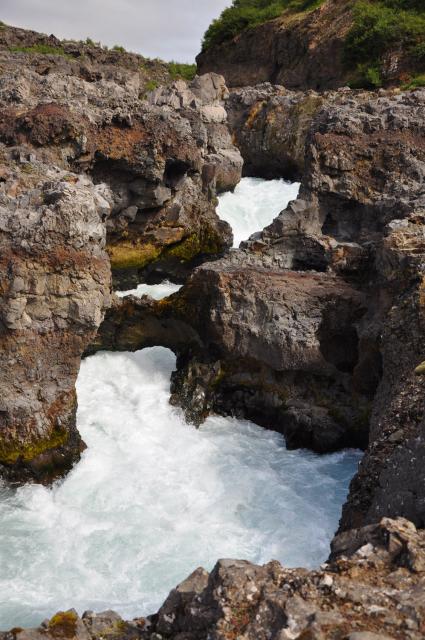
{"x":43,"y":458}
{"x":132,"y":259}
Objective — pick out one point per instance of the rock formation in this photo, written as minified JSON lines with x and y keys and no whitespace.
{"x":314,"y":327}
{"x":304,"y":329}
{"x":306,"y":46}
{"x":164,"y":159}
{"x":300,"y":51}
{"x":55,"y":287}
{"x":85,"y":162}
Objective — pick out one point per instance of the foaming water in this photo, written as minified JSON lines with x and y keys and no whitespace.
{"x":254,"y":204}
{"x":156,"y":291}
{"x":153,"y":498}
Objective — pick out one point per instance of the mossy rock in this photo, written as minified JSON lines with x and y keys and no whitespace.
{"x":64,"y":624}
{"x":420,"y":369}
{"x":11,"y":452}
{"x":132,"y":256}
{"x":138,"y":255}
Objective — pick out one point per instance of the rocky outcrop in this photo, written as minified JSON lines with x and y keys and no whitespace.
{"x":55,"y":287}
{"x":317,"y":45}
{"x":372,"y":589}
{"x":281,"y":348}
{"x":298,"y":50}
{"x":164,"y":158}
{"x":87,"y":166}
{"x":274,"y":346}
{"x":88,"y":60}
{"x":270,"y":125}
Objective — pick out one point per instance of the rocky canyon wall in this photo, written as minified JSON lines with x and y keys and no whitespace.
{"x":93,"y":175}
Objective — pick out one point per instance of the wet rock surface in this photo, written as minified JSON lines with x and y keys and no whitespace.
{"x":371,"y":589}
{"x":324,"y":371}
{"x":315,"y":326}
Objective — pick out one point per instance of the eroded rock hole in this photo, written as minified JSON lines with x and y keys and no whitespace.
{"x":175,"y":172}
{"x":339,"y":341}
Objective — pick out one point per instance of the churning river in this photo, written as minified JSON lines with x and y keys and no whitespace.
{"x":152,"y":497}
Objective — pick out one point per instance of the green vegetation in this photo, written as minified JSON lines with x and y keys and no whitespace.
{"x":118,"y":47}
{"x":181,"y":70}
{"x":244,"y":14}
{"x":151,"y":85}
{"x":43,"y":49}
{"x":379,"y":26}
{"x":64,"y":624}
{"x":415,"y":82}
{"x":11,"y":452}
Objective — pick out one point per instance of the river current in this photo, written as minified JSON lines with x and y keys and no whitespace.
{"x":153,"y":498}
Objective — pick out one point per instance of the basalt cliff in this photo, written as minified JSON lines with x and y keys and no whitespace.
{"x":317,"y":44}
{"x":93,"y":178}
{"x":314,"y":327}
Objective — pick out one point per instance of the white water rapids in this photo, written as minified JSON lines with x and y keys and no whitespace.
{"x":153,"y":498}
{"x":156,"y":291}
{"x":254,"y":204}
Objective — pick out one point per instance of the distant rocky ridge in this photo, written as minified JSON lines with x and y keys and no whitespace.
{"x":301,"y":51}
{"x":307,"y":46}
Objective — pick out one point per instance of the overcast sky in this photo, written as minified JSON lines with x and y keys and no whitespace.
{"x":168,"y":29}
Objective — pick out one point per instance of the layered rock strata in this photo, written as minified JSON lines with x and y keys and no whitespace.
{"x":54,"y":289}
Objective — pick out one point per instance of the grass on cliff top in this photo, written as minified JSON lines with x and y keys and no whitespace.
{"x":244,"y":14}
{"x":380,"y":26}
{"x":43,"y":49}
{"x":180,"y":70}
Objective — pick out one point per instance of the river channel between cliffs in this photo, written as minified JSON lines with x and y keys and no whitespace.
{"x":153,"y":497}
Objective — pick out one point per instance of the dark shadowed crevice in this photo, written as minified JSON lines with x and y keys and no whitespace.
{"x":175,"y":171}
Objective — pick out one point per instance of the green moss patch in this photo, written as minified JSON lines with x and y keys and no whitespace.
{"x":127,"y":255}
{"x":132,"y":256}
{"x":10,"y":453}
{"x":64,"y":624}
{"x":415,"y":82}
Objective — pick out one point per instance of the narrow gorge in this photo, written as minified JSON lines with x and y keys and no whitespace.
{"x":212,"y":321}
